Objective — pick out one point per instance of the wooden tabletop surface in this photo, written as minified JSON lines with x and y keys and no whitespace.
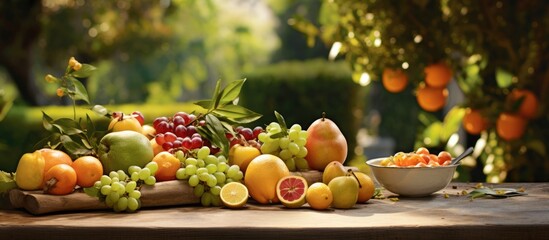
{"x":448,"y":214}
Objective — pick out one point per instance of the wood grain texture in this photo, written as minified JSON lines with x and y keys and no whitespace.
{"x":445,"y":215}
{"x":162,"y":194}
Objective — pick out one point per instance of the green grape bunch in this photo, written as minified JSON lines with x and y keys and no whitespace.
{"x":122,"y":192}
{"x":288,"y":144}
{"x":207,"y":174}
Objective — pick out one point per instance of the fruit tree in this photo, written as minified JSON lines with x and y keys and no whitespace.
{"x":494,"y":51}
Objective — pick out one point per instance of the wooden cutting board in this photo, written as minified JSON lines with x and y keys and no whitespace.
{"x":162,"y":194}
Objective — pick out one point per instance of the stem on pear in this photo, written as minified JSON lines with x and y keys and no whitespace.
{"x":353,"y":173}
{"x":323,"y":116}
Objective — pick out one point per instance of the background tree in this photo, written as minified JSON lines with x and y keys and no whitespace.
{"x":147,"y":51}
{"x":493,"y":48}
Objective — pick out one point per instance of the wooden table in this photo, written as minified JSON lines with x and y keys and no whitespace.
{"x":447,"y":214}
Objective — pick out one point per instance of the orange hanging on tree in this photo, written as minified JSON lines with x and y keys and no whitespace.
{"x":431,"y":98}
{"x":394,"y":80}
{"x":473,"y":121}
{"x":438,"y":75}
{"x":510,"y":126}
{"x":529,"y":103}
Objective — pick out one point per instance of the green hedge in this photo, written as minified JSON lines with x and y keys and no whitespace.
{"x":301,"y":91}
{"x":22,"y":128}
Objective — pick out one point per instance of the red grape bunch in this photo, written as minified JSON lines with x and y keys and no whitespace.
{"x":180,"y":133}
{"x":245,"y":136}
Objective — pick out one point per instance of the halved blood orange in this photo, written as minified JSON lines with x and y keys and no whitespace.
{"x":291,"y":191}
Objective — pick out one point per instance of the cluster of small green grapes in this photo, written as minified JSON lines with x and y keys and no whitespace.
{"x":207,"y":174}
{"x":289,"y":145}
{"x":120,"y":191}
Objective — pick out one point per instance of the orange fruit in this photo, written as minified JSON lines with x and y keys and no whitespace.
{"x":234,"y":195}
{"x":394,"y":80}
{"x":60,"y":180}
{"x":88,"y":170}
{"x":438,"y":75}
{"x":366,"y":187}
{"x":167,"y":166}
{"x":242,"y":156}
{"x":291,"y":191}
{"x":319,"y":196}
{"x":157,"y":148}
{"x":125,"y":122}
{"x":262,"y":176}
{"x":431,"y":98}
{"x":422,"y":150}
{"x":444,"y":156}
{"x":148,"y":131}
{"x":53,"y":157}
{"x":510,"y":126}
{"x":473,"y":121}
{"x":529,"y":105}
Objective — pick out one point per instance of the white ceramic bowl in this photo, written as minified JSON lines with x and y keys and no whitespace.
{"x":412,"y":181}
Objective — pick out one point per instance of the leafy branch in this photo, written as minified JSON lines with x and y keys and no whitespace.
{"x":222,"y":113}
{"x":77,"y":137}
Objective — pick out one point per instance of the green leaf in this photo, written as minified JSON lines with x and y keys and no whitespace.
{"x":231,"y":91}
{"x":452,"y":122}
{"x":206,"y":104}
{"x":47,"y":121}
{"x":80,"y":92}
{"x":538,"y":146}
{"x":84,"y":72}
{"x":100,"y":110}
{"x":215,"y":97}
{"x":431,"y":135}
{"x":7,"y":182}
{"x":67,"y":126}
{"x":217,"y":133}
{"x":281,"y":121}
{"x":92,"y":191}
{"x":86,"y":144}
{"x":74,"y":148}
{"x":90,"y":127}
{"x":237,"y":114}
{"x":503,"y":78}
{"x":427,"y":118}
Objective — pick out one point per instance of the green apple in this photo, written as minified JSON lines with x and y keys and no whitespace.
{"x":120,"y":150}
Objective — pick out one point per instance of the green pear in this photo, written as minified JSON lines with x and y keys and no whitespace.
{"x":333,"y":169}
{"x":120,"y":150}
{"x":345,"y":191}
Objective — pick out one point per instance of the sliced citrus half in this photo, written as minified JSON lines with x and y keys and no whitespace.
{"x":291,"y":191}
{"x":234,"y":195}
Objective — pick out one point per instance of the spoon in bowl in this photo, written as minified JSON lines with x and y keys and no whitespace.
{"x":466,"y":153}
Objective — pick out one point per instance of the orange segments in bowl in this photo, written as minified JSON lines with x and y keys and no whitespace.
{"x":234,"y":195}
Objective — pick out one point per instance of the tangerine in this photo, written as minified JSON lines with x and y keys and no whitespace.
{"x":443,"y":157}
{"x":88,"y":170}
{"x":529,"y":105}
{"x":157,"y":148}
{"x":431,"y":98}
{"x":319,"y":196}
{"x":262,"y":176}
{"x":438,"y":75}
{"x":168,"y":165}
{"x":53,"y":157}
{"x":366,"y":187}
{"x":60,"y":180}
{"x":510,"y":126}
{"x":394,"y":80}
{"x":473,"y":121}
